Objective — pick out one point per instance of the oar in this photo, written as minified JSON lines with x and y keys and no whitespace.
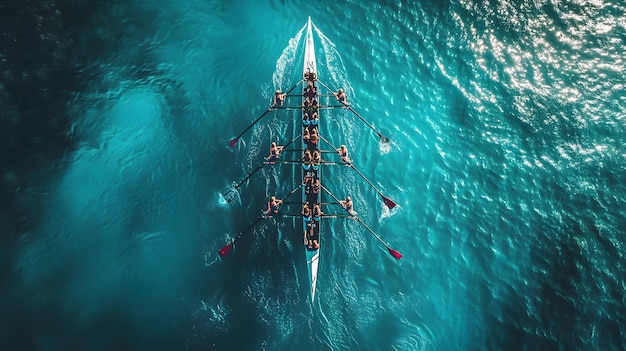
{"x":397,"y":255}
{"x":288,"y":107}
{"x":253,"y":172}
{"x":243,"y":181}
{"x":318,"y":203}
{"x":226,"y":249}
{"x":265,"y":214}
{"x":328,"y":142}
{"x":337,"y":216}
{"x":386,"y":200}
{"x":327,"y":163}
{"x":289,"y":143}
{"x":335,"y":198}
{"x":234,"y":141}
{"x":293,"y":191}
{"x":321,"y":151}
{"x":282,"y":162}
{"x":292,"y":140}
{"x":383,"y":138}
{"x":393,"y":252}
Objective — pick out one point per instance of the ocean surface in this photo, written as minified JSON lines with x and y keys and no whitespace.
{"x":507,"y":161}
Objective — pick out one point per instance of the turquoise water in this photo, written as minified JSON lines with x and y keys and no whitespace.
{"x":507,"y":162}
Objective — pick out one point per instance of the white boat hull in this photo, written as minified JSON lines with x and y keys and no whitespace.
{"x":312,"y":256}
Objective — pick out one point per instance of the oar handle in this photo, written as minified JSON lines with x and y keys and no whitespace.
{"x":293,"y":191}
{"x":334,"y":197}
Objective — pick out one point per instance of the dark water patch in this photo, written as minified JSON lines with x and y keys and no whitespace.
{"x":258,"y":292}
{"x":37,"y":78}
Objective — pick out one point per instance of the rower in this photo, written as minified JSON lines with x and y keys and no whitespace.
{"x":274,"y":152}
{"x":343,"y":152}
{"x":310,"y":76}
{"x":310,"y":91}
{"x":313,"y":119}
{"x":317,"y":212}
{"x":314,"y":137}
{"x":308,"y":245}
{"x":279,"y":98}
{"x":310,"y":174}
{"x":272,"y":206}
{"x":347,"y":205}
{"x":306,"y":212}
{"x":317,"y":159}
{"x":309,"y":109}
{"x":314,"y":106}
{"x":316,"y":186}
{"x":341,"y":96}
{"x":306,"y":117}
{"x":306,"y":135}
{"x":307,"y":159}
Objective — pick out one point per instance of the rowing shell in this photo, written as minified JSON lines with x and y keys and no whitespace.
{"x":312,"y":255}
{"x":310,"y":170}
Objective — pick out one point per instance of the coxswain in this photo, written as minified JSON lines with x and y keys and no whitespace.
{"x":310,"y":239}
{"x":310,"y":243}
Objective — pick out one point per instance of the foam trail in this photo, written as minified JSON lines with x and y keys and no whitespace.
{"x":281,"y":79}
{"x":334,"y":64}
{"x":287,"y":59}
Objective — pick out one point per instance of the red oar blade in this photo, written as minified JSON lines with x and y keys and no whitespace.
{"x":389,"y":202}
{"x":225,"y":250}
{"x":395,"y":253}
{"x":233,"y":142}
